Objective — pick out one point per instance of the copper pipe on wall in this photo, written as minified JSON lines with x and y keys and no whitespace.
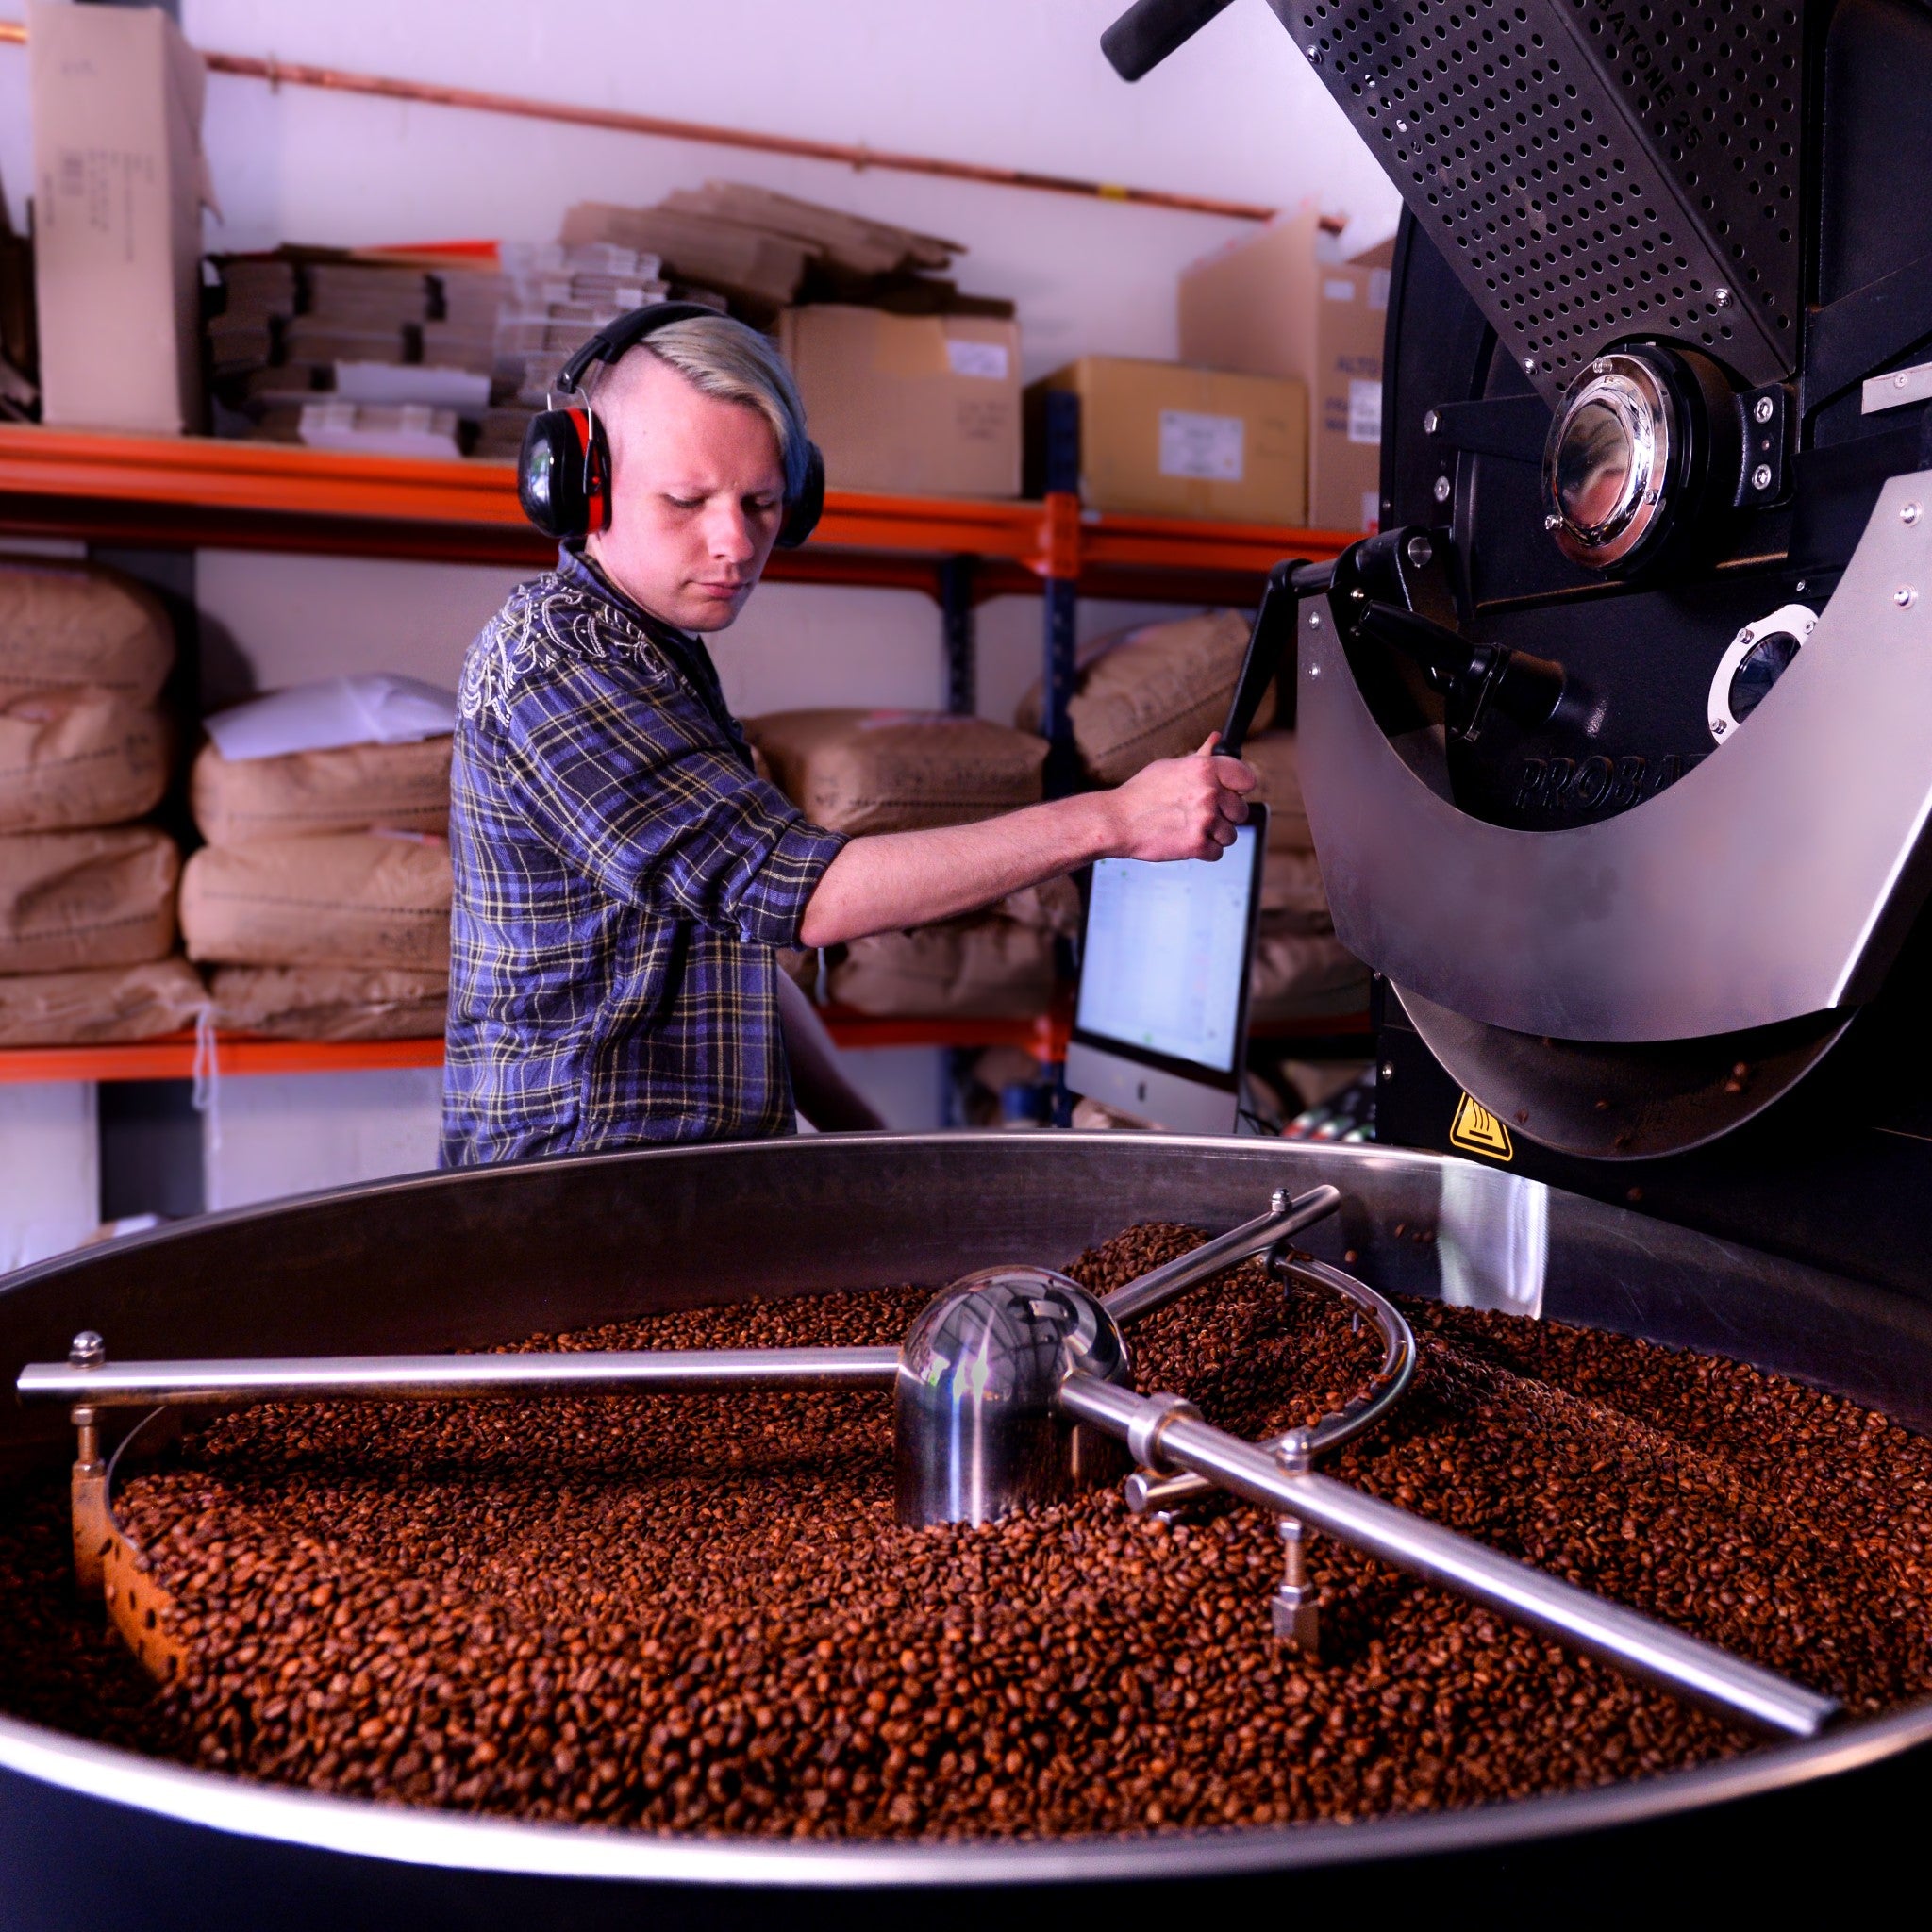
{"x":476,"y":100}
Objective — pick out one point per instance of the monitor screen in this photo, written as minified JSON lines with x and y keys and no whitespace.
{"x":1165,"y":966}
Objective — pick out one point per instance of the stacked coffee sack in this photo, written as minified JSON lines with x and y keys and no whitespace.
{"x":866,"y":772}
{"x":322,"y":897}
{"x":87,"y":894}
{"x":1159,"y":691}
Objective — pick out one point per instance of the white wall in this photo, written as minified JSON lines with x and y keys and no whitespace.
{"x":270,"y":620}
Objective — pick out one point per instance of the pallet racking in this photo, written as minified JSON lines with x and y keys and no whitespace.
{"x":122,"y":493}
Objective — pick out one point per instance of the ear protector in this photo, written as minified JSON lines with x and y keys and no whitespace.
{"x":563,"y":474}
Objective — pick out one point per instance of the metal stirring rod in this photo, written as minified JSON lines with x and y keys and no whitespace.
{"x":1160,"y":1285}
{"x":1621,"y":1637}
{"x":447,"y":1378}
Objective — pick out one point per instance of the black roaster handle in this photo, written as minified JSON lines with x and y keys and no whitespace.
{"x":1150,"y":30}
{"x":1269,"y":642}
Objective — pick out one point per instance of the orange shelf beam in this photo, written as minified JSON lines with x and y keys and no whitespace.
{"x":1043,"y":1035}
{"x":172,"y":1056}
{"x":205,"y":490}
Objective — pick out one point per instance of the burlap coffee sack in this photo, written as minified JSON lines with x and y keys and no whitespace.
{"x":73,"y":900}
{"x":1153,"y":692}
{"x":1292,"y":896}
{"x":351,"y":788}
{"x":74,"y":758}
{"x":330,"y":1002}
{"x":897,"y":771}
{"x":99,"y":1005}
{"x":338,"y":899}
{"x":1051,"y":907}
{"x":1304,"y":973}
{"x":65,"y":625}
{"x":1277,"y":767}
{"x":968,"y":968}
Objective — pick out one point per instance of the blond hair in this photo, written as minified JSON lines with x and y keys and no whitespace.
{"x":723,"y":359}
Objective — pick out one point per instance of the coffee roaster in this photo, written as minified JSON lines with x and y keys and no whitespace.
{"x":1615,"y":738}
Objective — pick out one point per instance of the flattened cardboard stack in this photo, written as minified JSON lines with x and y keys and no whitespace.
{"x":869,"y":772}
{"x":87,"y":900}
{"x":385,"y":354}
{"x":321,"y":898}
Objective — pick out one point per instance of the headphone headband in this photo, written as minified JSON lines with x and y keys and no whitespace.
{"x":563,"y":473}
{"x":616,"y":338}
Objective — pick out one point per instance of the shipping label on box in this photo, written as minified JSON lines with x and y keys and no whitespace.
{"x":1210,"y":447}
{"x":989,"y":362}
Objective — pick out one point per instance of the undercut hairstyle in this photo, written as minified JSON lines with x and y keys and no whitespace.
{"x":723,"y":359}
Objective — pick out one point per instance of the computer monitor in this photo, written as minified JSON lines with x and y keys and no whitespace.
{"x":1161,"y":1021}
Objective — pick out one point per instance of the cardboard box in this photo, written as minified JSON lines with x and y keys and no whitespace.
{"x":1165,"y":439}
{"x":916,"y":405}
{"x":119,"y":184}
{"x":1267,"y":305}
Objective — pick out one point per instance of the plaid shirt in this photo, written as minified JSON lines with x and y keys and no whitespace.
{"x":622,"y":879}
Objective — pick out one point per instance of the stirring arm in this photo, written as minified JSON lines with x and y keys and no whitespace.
{"x":1160,"y":1285}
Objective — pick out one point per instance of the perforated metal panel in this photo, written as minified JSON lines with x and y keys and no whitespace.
{"x":1589,"y":172}
{"x":1716,"y":87}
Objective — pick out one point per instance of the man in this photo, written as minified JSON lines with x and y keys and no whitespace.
{"x":622,"y":879}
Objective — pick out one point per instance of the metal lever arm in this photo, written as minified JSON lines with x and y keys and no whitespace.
{"x":1271,"y":639}
{"x":456,"y":1377}
{"x":1160,"y":1285}
{"x":1636,"y":1643}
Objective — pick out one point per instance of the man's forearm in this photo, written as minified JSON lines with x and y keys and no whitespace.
{"x":896,"y":879}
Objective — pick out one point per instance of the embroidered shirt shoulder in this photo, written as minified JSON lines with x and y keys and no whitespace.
{"x":542,"y":625}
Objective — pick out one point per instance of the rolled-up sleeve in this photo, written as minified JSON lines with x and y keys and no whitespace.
{"x":629,"y":778}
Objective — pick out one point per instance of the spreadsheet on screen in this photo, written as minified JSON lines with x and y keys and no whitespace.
{"x":1166,"y":953}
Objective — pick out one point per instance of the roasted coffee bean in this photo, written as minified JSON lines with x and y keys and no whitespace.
{"x":697,"y":1613}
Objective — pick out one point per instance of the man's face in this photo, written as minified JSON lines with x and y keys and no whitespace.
{"x":698,"y":496}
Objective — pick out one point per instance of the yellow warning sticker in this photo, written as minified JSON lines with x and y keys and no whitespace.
{"x":1476,"y":1130}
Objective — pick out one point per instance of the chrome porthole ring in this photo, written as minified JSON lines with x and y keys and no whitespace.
{"x":1608,"y":460}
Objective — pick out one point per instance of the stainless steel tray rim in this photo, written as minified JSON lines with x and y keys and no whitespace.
{"x":420,"y":1836}
{"x":1365,"y":1158}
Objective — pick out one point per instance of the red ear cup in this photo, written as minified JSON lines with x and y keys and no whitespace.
{"x":803,"y":512}
{"x":563,"y":474}
{"x":550,"y":474}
